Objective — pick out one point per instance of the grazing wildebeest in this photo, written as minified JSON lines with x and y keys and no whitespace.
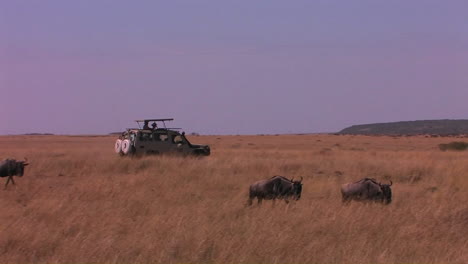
{"x":277,"y":187}
{"x":10,"y":168}
{"x":367,"y":190}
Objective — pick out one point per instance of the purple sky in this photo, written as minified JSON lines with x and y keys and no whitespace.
{"x":237,"y":67}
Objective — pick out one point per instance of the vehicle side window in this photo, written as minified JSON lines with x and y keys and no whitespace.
{"x":156,"y":137}
{"x":163,"y":137}
{"x":145,"y":137}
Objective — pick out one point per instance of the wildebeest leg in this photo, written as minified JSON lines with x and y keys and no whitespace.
{"x":259,"y":200}
{"x":249,"y":202}
{"x":6,"y":184}
{"x":8,"y":181}
{"x":345,"y":199}
{"x":286,"y":201}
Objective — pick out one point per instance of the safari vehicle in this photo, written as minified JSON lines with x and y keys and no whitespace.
{"x":146,"y":140}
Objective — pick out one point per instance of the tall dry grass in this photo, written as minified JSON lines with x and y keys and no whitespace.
{"x":80,"y":203}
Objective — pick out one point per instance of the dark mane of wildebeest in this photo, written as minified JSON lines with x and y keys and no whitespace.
{"x":10,"y":168}
{"x":277,"y":187}
{"x":367,"y":189}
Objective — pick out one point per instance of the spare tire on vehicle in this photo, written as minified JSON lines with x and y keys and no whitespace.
{"x":126,"y":147}
{"x":118,"y":146}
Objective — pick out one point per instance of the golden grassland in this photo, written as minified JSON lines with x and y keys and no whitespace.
{"x":81,"y":203}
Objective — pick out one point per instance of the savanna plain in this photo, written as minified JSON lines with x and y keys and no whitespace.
{"x":79,"y":202}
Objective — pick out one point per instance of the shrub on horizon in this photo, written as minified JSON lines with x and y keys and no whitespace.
{"x":455,"y":145}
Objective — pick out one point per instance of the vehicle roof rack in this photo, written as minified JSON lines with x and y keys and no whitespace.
{"x":163,"y":120}
{"x":152,"y":120}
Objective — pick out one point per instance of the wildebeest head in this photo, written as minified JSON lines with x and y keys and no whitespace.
{"x":20,"y":167}
{"x":387,"y":192}
{"x":297,"y":188}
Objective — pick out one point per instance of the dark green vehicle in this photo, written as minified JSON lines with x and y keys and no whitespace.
{"x":154,"y":140}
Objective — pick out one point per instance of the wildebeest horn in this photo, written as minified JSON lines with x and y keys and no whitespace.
{"x":25,"y":162}
{"x":391,"y":183}
{"x":301,"y":179}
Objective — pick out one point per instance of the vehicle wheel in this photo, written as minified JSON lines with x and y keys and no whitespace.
{"x":118,"y":146}
{"x":126,"y":147}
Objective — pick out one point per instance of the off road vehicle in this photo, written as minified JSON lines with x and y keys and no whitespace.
{"x":146,"y":140}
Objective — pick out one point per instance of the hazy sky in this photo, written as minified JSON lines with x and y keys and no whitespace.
{"x":230,"y":67}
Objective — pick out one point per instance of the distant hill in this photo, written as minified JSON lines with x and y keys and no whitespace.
{"x":38,"y":134}
{"x":438,"y":127}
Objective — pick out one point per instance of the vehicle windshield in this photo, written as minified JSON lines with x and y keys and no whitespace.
{"x":186,"y":139}
{"x":178,"y":139}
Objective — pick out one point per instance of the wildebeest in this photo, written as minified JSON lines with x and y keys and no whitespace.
{"x":277,"y":187}
{"x":10,"y":168}
{"x":367,"y":189}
